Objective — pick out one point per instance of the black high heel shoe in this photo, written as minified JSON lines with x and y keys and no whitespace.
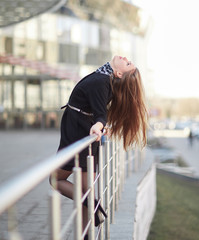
{"x":86,"y":237}
{"x":100,"y":214}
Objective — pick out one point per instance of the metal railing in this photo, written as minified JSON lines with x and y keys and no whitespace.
{"x":114,"y":165}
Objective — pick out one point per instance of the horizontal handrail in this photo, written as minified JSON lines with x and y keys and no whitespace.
{"x":105,"y":187}
{"x":17,"y":187}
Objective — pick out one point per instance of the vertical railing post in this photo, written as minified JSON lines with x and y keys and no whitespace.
{"x":129,"y":163}
{"x":107,"y":177}
{"x":122,"y":174}
{"x":116,"y":176}
{"x":25,"y":99}
{"x":12,"y":224}
{"x":55,"y":210}
{"x":90,"y":169}
{"x":139,"y":158}
{"x":142,"y":156}
{"x":124,"y":156}
{"x":100,"y":189}
{"x":119,"y":171}
{"x":136,"y":156}
{"x":113,"y":182}
{"x":77,"y":202}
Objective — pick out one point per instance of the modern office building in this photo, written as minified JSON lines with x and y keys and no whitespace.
{"x":42,"y":58}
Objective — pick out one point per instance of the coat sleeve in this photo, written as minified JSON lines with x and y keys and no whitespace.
{"x":98,"y":94}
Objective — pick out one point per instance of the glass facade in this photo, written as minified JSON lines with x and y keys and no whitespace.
{"x":30,"y":98}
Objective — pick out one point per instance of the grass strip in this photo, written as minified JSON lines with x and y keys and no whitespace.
{"x":177,"y":213}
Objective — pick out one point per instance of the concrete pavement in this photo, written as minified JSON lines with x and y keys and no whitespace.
{"x":19,"y":150}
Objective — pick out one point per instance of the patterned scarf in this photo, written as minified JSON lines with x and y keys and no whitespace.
{"x":105,"y":69}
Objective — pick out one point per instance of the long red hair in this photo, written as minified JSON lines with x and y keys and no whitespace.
{"x":127,"y":114}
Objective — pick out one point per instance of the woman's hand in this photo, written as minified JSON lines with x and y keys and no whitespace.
{"x":107,"y":131}
{"x":96,"y":129}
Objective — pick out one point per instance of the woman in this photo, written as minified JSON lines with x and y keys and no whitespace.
{"x":117,"y":83}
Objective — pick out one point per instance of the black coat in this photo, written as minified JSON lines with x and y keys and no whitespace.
{"x":91,"y":95}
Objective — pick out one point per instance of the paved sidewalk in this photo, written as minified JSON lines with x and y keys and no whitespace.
{"x":123,"y":226}
{"x":20,"y":150}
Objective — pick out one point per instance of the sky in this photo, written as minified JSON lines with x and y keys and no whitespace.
{"x":173,"y":51}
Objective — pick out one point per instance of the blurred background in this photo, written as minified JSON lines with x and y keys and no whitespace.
{"x":56,"y":43}
{"x":46,"y":47}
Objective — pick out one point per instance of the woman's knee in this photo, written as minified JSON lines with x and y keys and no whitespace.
{"x":59,"y":175}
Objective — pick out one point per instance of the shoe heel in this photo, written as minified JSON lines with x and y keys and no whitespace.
{"x":100,"y":214}
{"x":102,"y":211}
{"x":100,"y":208}
{"x":86,"y":237}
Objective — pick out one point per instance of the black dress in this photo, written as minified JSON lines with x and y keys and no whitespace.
{"x":91,"y":95}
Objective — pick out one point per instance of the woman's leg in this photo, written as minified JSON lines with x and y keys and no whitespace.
{"x":64,"y":186}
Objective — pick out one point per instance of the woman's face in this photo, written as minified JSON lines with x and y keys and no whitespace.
{"x":121,"y":65}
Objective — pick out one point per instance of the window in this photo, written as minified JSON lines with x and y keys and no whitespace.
{"x":9,"y":45}
{"x":69,"y":53}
